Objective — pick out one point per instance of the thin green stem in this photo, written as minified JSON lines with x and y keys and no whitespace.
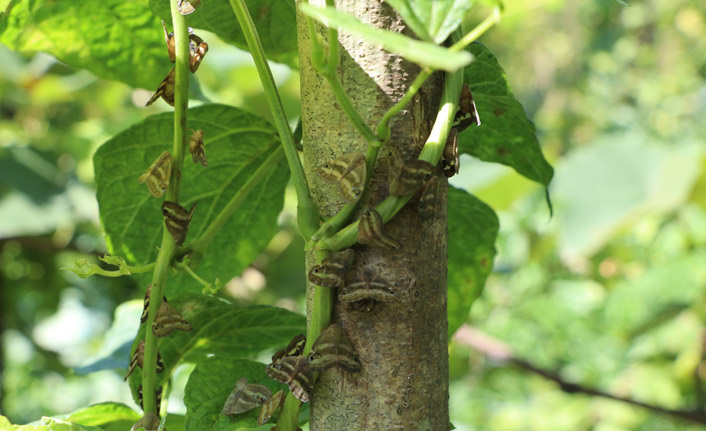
{"x":168,"y":247}
{"x":199,"y":246}
{"x":383,"y":129}
{"x":481,"y":28}
{"x":307,"y":213}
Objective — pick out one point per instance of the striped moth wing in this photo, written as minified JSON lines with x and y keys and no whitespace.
{"x":198,"y":49}
{"x":165,"y":90}
{"x":168,"y":320}
{"x":332,"y":270}
{"x":294,"y":372}
{"x":138,"y":359}
{"x":450,"y":162}
{"x":429,"y":198}
{"x":196,"y":148}
{"x":333,"y":348}
{"x":370,"y":231}
{"x":244,"y":397}
{"x":146,"y":306}
{"x":187,"y":7}
{"x":156,"y":177}
{"x":467,"y":106}
{"x":348,"y":171}
{"x":177,"y":220}
{"x":294,"y":348}
{"x":410,"y":177}
{"x":269,"y":407}
{"x":366,"y":291}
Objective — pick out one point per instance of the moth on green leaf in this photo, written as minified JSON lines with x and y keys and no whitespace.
{"x":138,"y":358}
{"x":370,"y":231}
{"x":244,"y":397}
{"x":165,"y":90}
{"x":156,"y":177}
{"x":333,"y":348}
{"x":410,"y":177}
{"x":168,"y":320}
{"x":177,"y":220}
{"x":332,"y":270}
{"x":196,"y":148}
{"x":348,"y":171}
{"x":295,"y":373}
{"x":366,"y":291}
{"x":187,"y":7}
{"x":269,"y":407}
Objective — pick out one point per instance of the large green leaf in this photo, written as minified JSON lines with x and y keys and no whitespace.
{"x":432,"y":20}
{"x":108,"y":416}
{"x":473,"y":228}
{"x":275,"y":21}
{"x":114,"y":39}
{"x":46,"y":424}
{"x":506,"y":135}
{"x":223,"y":329}
{"x":237,"y":143}
{"x":209,"y":386}
{"x":422,"y":53}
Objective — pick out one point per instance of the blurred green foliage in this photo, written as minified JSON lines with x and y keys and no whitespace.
{"x":608,"y":293}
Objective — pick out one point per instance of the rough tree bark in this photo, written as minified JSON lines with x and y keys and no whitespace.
{"x":402,"y":345}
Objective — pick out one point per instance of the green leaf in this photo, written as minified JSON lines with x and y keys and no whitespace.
{"x":506,"y":135}
{"x":432,"y":20}
{"x":109,"y":416}
{"x":275,"y":21}
{"x":422,"y":53}
{"x":236,"y":143}
{"x":223,"y":329}
{"x":114,"y":39}
{"x":473,"y":228}
{"x":209,"y":386}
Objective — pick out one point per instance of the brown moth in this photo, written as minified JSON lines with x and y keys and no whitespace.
{"x":168,"y":319}
{"x":196,"y":148}
{"x":146,"y":307}
{"x":370,"y":231}
{"x":294,"y":348}
{"x":138,"y":358}
{"x":150,"y":422}
{"x":333,"y":348}
{"x":268,"y":407}
{"x":156,"y":177}
{"x":348,"y":171}
{"x":467,"y":106}
{"x":450,"y":162}
{"x":187,"y":7}
{"x":410,"y":177}
{"x":245,"y":396}
{"x":428,"y":199}
{"x":198,"y":49}
{"x":177,"y":220}
{"x":364,"y":292}
{"x":165,"y":90}
{"x":294,"y":372}
{"x":157,"y":396}
{"x":171,"y":44}
{"x":332,"y":270}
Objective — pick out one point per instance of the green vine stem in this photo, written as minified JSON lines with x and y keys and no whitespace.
{"x":199,"y":246}
{"x":168,"y":247}
{"x":307,"y":212}
{"x":84,"y":269}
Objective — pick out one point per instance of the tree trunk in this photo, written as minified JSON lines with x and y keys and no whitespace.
{"x":403,"y":344}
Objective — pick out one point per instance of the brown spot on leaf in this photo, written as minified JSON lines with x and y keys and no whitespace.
{"x":498,"y":112}
{"x":503,"y":151}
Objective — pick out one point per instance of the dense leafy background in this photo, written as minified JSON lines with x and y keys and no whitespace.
{"x":609,"y":292}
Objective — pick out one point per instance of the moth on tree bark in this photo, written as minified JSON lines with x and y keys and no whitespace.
{"x":402,"y":344}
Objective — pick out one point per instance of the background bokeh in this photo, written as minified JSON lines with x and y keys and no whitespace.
{"x":607,"y":293}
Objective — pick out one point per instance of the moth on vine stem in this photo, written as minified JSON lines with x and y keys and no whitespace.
{"x":168,"y":320}
{"x":333,"y":348}
{"x":332,"y":270}
{"x":410,"y":177}
{"x":171,"y":43}
{"x":157,"y":396}
{"x":295,"y":373}
{"x":429,"y":198}
{"x":370,"y":231}
{"x":450,"y":162}
{"x":196,"y":148}
{"x":165,"y":90}
{"x":294,"y":348}
{"x":466,"y":106}
{"x":187,"y":7}
{"x":244,"y":397}
{"x":138,"y":358}
{"x":156,"y":177}
{"x":348,"y":171}
{"x":197,"y":51}
{"x":364,"y":292}
{"x":269,"y":407}
{"x":146,"y":306}
{"x":177,"y":220}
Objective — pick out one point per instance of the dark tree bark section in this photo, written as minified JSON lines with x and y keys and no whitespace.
{"x":402,"y":345}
